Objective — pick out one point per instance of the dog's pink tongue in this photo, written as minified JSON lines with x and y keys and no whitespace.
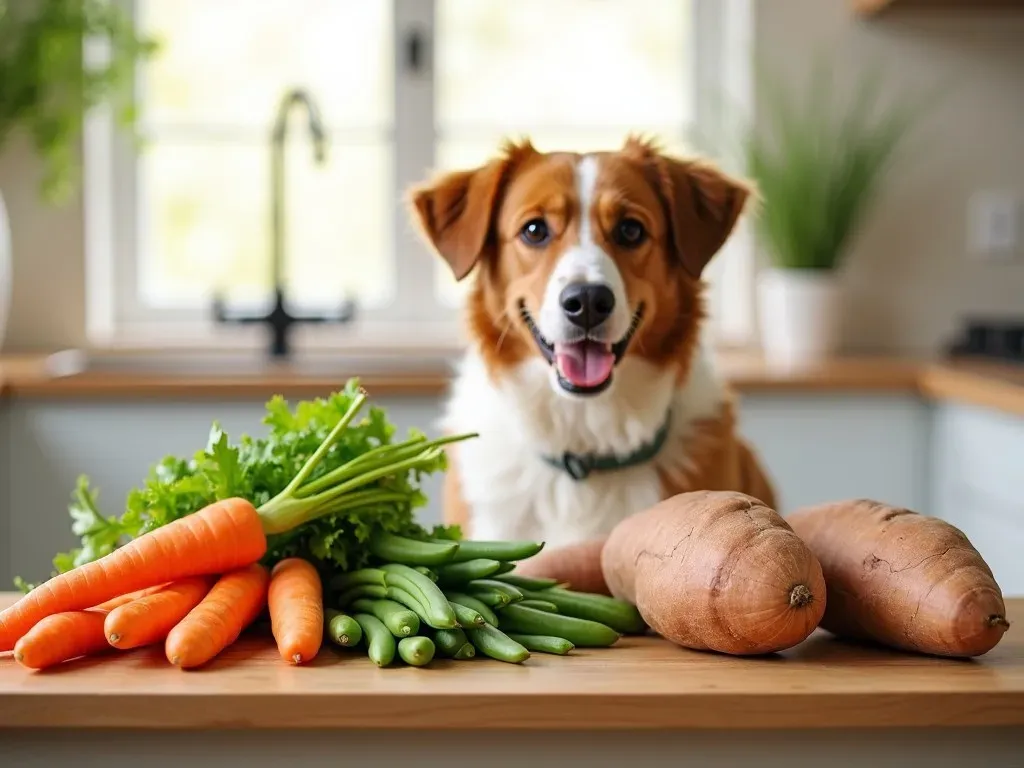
{"x":585,"y":363}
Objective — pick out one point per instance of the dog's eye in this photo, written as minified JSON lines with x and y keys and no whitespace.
{"x":630,"y":233}
{"x":535,"y":232}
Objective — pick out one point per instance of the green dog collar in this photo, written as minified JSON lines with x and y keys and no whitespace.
{"x":579,"y":466}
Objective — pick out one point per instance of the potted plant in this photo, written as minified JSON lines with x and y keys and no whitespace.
{"x":818,"y":167}
{"x":47,"y":86}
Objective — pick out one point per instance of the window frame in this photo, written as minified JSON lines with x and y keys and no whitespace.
{"x":415,"y":318}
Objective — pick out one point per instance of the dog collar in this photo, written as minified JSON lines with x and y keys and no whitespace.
{"x":579,"y":466}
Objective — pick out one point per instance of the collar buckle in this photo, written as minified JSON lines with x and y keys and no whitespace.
{"x":576,"y":466}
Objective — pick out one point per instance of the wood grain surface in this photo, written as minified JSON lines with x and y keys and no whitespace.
{"x":641,"y":683}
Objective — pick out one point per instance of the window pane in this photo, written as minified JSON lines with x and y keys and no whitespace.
{"x":228,"y":62}
{"x":531,"y":64}
{"x":205,"y":223}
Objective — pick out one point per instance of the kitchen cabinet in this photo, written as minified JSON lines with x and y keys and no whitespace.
{"x":977,"y":470}
{"x":833,"y":446}
{"x":816,"y":447}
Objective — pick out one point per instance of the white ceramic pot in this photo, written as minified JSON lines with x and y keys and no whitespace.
{"x":799,"y":315}
{"x":6,"y":279}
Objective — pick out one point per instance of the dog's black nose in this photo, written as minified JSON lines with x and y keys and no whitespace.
{"x":587,"y":305}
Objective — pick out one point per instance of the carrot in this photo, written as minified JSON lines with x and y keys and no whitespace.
{"x":295,"y":600}
{"x":69,"y":634}
{"x":223,"y":536}
{"x":61,"y":637}
{"x":231,"y":605}
{"x":149,"y":619}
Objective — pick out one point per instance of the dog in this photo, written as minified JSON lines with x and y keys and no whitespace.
{"x":587,"y":379}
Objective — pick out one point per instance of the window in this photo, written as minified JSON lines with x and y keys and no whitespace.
{"x":402,"y":87}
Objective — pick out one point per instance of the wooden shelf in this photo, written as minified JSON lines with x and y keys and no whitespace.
{"x":876,"y":7}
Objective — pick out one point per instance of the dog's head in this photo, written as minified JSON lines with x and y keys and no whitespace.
{"x":582,"y":259}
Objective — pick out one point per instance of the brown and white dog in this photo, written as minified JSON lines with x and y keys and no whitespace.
{"x":587,"y":379}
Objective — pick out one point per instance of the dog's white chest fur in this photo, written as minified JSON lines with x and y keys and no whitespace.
{"x":513,"y":493}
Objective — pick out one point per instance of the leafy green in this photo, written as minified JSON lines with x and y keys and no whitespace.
{"x":45,"y":88}
{"x":363,"y":481}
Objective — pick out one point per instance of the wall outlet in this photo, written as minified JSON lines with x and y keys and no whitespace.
{"x":994,"y":223}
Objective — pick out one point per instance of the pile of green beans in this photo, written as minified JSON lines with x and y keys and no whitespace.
{"x":459,"y":601}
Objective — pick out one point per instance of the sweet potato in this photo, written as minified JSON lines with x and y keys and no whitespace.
{"x":577,"y":565}
{"x":901,"y":579}
{"x":716,"y":570}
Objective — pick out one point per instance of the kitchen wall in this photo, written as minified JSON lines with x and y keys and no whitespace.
{"x":909,"y":280}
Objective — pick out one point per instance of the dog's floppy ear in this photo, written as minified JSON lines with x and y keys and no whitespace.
{"x":455,"y":212}
{"x":702,"y":203}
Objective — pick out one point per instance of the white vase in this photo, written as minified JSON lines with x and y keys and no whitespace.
{"x":6,"y":278}
{"x":799,"y":315}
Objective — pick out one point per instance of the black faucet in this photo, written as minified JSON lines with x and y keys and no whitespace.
{"x":279,"y":321}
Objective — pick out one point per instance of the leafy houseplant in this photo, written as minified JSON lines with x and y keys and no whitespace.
{"x":47,"y":86}
{"x":818,"y":167}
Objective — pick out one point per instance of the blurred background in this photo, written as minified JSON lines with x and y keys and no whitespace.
{"x":170,"y":166}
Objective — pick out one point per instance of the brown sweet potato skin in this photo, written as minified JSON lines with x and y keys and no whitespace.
{"x":902,"y":579}
{"x":716,"y":570}
{"x":578,"y":565}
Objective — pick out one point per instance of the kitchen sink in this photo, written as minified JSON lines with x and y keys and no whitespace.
{"x":331,"y":364}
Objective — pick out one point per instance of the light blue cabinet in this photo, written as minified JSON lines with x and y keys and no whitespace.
{"x":816,"y":448}
{"x":976,"y":480}
{"x":830,"y":447}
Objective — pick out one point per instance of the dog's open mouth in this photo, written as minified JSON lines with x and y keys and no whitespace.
{"x":584,"y":366}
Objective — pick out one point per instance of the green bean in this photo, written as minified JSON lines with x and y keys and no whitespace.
{"x":492,"y":642}
{"x":399,"y":619}
{"x":490,"y":597}
{"x":505,"y":551}
{"x":426,"y":572}
{"x":505,"y":568}
{"x":416,"y":651}
{"x":543,"y":643}
{"x":400,"y":549}
{"x":364,"y":576}
{"x":439,"y":613}
{"x":467,"y":617}
{"x":582,"y":633}
{"x":513,"y":594}
{"x":460,"y":573}
{"x":618,"y":614}
{"x":342,"y":628}
{"x":400,"y":596}
{"x":361,"y":591}
{"x":467,"y":651}
{"x":380,"y":643}
{"x":467,"y":601}
{"x":526,"y":582}
{"x":449,"y":641}
{"x":540,"y":605}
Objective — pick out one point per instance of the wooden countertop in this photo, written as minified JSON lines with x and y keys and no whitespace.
{"x":994,"y":385}
{"x":641,"y":683}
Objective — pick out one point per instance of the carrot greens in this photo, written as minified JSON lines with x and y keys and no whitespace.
{"x":323,"y":480}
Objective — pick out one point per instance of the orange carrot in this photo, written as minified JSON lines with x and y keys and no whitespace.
{"x":70,"y":634}
{"x":231,"y":605}
{"x":223,"y":536}
{"x":296,"y":603}
{"x":149,"y":619}
{"x":60,"y":637}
